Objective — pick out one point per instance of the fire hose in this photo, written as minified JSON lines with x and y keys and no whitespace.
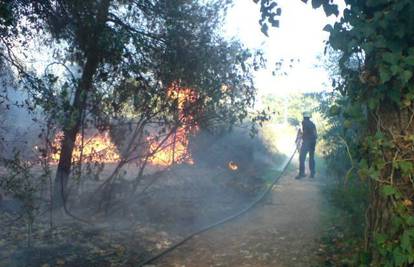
{"x":223,"y":221}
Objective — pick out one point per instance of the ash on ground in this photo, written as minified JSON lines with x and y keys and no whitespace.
{"x":167,"y":206}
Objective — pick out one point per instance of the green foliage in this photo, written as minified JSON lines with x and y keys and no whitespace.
{"x":8,"y":16}
{"x":24,"y":187}
{"x":375,"y":46}
{"x":348,"y":196}
{"x":270,"y":11}
{"x":375,"y":33}
{"x":139,"y":52}
{"x":344,"y":222}
{"x":290,"y":108}
{"x":116,"y":62}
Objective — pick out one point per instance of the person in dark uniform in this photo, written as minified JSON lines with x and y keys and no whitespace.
{"x":308,"y":136}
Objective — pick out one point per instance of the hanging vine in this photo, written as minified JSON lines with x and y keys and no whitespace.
{"x":381,"y":34}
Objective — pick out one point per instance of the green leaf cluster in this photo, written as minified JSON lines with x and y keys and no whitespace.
{"x":374,"y":39}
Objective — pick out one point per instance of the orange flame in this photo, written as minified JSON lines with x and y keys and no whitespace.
{"x":175,"y":148}
{"x":98,"y":148}
{"x":233,"y":166}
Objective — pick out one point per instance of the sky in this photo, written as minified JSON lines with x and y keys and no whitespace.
{"x":299,"y":38}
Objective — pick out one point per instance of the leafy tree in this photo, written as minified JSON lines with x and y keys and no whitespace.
{"x":289,"y":109}
{"x":116,"y":60}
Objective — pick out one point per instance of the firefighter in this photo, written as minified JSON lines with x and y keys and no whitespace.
{"x":308,"y":136}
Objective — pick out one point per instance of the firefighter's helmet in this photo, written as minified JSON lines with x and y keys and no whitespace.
{"x":306,"y":114}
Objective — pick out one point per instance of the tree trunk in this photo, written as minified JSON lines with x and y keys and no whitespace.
{"x":74,"y":118}
{"x":397,"y":125}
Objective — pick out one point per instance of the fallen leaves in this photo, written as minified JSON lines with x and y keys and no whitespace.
{"x":407,"y":203}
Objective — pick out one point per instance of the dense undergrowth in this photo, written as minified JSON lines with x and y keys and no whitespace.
{"x":346,"y":195}
{"x":344,"y":210}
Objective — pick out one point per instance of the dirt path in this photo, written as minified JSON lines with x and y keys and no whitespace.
{"x":282,"y":231}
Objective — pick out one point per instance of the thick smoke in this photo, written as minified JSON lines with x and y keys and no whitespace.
{"x":20,"y":127}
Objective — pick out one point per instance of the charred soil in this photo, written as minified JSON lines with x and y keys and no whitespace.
{"x":180,"y":200}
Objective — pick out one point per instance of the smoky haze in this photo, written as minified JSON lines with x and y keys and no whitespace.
{"x":20,"y":127}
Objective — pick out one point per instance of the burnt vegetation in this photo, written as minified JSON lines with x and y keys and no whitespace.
{"x":116,"y":128}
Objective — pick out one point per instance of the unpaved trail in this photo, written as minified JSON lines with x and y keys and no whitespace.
{"x":283,"y":230}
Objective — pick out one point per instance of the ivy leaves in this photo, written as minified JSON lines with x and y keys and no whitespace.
{"x":328,"y":7}
{"x":382,"y":84}
{"x":395,"y":72}
{"x":398,"y":66}
{"x":270,"y":11}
